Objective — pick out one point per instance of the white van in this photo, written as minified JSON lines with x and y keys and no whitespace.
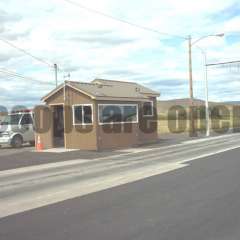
{"x":17,"y":128}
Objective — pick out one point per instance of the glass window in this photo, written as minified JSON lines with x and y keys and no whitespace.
{"x":110,"y":113}
{"x":87,"y":112}
{"x":148,"y":109}
{"x":27,"y":119}
{"x":117,"y":113}
{"x":12,"y":119}
{"x":82,"y":114}
{"x":130,"y":113}
{"x":78,"y":115}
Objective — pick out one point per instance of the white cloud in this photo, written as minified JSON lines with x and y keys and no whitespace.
{"x":89,"y":45}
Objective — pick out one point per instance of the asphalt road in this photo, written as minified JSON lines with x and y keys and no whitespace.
{"x":197,"y":201}
{"x":11,"y":158}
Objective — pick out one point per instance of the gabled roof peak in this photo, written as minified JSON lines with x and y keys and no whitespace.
{"x":108,"y":88}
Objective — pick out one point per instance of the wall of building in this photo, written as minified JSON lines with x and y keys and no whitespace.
{"x":75,"y":137}
{"x":79,"y":136}
{"x":122,"y":135}
{"x":148,"y":126}
{"x":117,"y":135}
{"x":56,"y":98}
{"x":97,"y":136}
{"x":44,"y":126}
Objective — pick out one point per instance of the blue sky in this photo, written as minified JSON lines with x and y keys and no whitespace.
{"x":90,"y":46}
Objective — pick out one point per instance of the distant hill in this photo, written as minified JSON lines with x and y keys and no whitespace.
{"x":233,"y":103}
{"x":164,"y":105}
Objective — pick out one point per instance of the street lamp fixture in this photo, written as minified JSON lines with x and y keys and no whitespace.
{"x":192,"y":124}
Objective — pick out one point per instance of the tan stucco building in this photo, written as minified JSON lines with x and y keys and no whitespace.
{"x":103,"y":114}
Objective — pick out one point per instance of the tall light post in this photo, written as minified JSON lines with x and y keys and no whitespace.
{"x":204,"y":53}
{"x":206,"y":96}
{"x":192,"y":124}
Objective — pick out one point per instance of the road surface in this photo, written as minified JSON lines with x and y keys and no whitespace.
{"x":167,"y":193}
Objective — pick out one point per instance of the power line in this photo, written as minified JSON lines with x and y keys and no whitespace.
{"x":13,"y":76}
{"x":122,"y":20}
{"x":223,"y":63}
{"x":26,"y":52}
{"x":17,"y":75}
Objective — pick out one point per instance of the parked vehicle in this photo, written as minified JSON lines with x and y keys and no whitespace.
{"x":17,"y":128}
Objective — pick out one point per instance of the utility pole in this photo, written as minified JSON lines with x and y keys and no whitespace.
{"x":56,"y":74}
{"x":191,"y":110}
{"x":206,"y":97}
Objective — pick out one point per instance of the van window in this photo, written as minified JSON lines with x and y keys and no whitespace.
{"x":27,"y":119}
{"x":12,"y":119}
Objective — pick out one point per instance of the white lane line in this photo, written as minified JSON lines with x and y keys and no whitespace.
{"x":211,"y":154}
{"x":211,"y":138}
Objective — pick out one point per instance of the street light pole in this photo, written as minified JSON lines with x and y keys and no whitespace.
{"x":206,"y":93}
{"x":190,"y":43}
{"x":191,"y":110}
{"x":206,"y":97}
{"x":207,"y":112}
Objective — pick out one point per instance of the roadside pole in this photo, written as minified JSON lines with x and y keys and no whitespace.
{"x":206,"y":95}
{"x":191,"y":110}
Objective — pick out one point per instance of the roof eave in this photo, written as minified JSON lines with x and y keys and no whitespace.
{"x":61,"y":87}
{"x":58,"y":88}
{"x":151,"y":94}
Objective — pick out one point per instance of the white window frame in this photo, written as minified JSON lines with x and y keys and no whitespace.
{"x":152,"y":109}
{"x":73,"y":114}
{"x":116,"y":104}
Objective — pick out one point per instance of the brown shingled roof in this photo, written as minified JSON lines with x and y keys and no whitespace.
{"x":102,"y":89}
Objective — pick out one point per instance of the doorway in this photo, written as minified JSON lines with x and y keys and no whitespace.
{"x":58,"y":126}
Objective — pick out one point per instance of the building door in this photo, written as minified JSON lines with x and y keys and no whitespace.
{"x":58,"y":126}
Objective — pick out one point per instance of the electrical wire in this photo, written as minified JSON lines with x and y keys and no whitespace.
{"x":11,"y":75}
{"x":25,"y":52}
{"x":122,"y":20}
{"x":17,"y":75}
{"x":224,"y":63}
